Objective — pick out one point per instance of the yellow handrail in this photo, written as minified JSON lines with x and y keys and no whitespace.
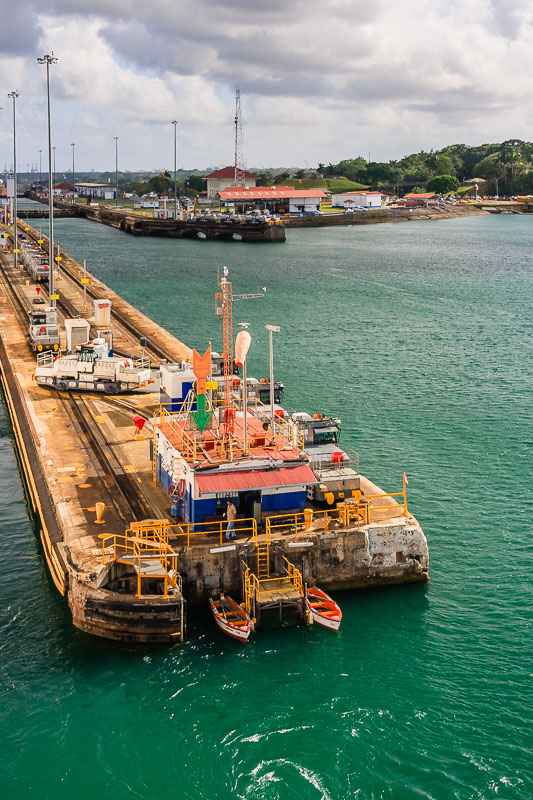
{"x":189,"y":529}
{"x":144,"y":549}
{"x":192,"y":443}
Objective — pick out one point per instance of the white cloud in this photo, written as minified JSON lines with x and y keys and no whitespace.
{"x":320,"y":79}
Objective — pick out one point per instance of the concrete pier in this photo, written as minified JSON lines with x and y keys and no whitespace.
{"x":246,"y":230}
{"x":78,"y":450}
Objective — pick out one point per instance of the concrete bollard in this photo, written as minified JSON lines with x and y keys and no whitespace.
{"x":99,"y":513}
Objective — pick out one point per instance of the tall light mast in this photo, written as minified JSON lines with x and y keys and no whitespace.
{"x":226,"y":301}
{"x":50,"y":59}
{"x":238,"y":178}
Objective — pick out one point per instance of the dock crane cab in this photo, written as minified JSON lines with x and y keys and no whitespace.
{"x":43,"y":333}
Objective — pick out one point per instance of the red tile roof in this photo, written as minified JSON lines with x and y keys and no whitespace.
{"x":256,"y":479}
{"x":227,"y":172}
{"x":262,"y":192}
{"x":415,"y":196}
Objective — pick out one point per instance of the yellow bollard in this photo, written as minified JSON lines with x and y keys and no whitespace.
{"x":27,"y":283}
{"x":308,"y":518}
{"x":99,"y":513}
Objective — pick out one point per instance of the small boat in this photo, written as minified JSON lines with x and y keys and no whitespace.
{"x":231,"y":617}
{"x":322,"y":609}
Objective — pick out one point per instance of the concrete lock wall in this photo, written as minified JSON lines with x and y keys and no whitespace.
{"x":374,"y":556}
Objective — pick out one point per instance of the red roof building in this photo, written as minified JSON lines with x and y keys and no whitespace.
{"x":419,"y":196}
{"x":281,"y":199}
{"x":225,"y":177}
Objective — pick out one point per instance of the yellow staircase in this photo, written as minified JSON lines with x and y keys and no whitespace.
{"x":145,"y":548}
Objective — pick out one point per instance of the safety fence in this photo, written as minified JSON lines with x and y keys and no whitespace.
{"x":257,"y":589}
{"x":150,"y":558}
{"x":219,"y":444}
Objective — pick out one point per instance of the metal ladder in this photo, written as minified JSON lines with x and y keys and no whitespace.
{"x":263,"y":560}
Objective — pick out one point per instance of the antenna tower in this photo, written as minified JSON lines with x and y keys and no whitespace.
{"x":239,"y":159}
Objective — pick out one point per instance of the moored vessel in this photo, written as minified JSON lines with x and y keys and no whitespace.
{"x":323,"y":609}
{"x":231,"y":618}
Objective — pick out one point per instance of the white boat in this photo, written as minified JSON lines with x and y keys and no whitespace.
{"x":322,"y":609}
{"x":231,"y":618}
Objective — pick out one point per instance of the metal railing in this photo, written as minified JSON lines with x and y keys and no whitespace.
{"x":253,"y":590}
{"x":141,"y":362}
{"x":302,"y":521}
{"x":294,"y":575}
{"x":390,"y":506}
{"x":323,"y":464}
{"x":46,"y":358}
{"x":224,"y":446}
{"x":218,"y":527}
{"x":137,"y":552}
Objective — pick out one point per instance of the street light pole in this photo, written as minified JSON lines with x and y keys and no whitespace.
{"x":175,"y":123}
{"x":54,"y":172}
{"x":272,"y":329}
{"x":50,"y":59}
{"x":14,"y":94}
{"x":116,"y":170}
{"x":73,"y":144}
{"x":40,"y":179}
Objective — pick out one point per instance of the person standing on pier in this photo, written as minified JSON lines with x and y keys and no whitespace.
{"x":231,"y":513}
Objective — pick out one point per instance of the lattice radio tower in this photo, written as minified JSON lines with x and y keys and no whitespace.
{"x":239,"y":158}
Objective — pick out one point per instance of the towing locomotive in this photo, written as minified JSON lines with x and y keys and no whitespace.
{"x":91,"y":368}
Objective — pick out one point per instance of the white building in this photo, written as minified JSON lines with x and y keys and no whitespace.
{"x":365,"y":199}
{"x":97,"y":191}
{"x":224,"y":178}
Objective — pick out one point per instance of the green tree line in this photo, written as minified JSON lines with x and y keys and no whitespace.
{"x":510,"y":163}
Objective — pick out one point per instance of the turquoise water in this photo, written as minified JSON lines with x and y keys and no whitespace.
{"x":419,"y":336}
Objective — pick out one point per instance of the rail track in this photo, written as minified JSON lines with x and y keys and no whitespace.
{"x":131,"y":327}
{"x":125,"y":492}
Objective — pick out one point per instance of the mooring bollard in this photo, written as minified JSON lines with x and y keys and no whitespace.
{"x":99,"y":512}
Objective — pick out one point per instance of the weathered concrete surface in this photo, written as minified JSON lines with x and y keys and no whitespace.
{"x":140,"y":225}
{"x":385,"y":214}
{"x":393,"y":551}
{"x":126,"y":618}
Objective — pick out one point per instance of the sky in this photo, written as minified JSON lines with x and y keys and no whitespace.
{"x":320,"y":80}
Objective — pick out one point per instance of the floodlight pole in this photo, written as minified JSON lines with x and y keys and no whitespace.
{"x":73,"y":145}
{"x":244,"y":326}
{"x":14,"y":94}
{"x":50,"y":59}
{"x":116,"y":171}
{"x":175,"y":123}
{"x":271,"y":329}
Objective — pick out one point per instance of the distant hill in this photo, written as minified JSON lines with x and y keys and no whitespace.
{"x":336,"y":185}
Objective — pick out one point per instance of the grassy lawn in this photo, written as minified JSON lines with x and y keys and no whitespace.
{"x":336,"y":185}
